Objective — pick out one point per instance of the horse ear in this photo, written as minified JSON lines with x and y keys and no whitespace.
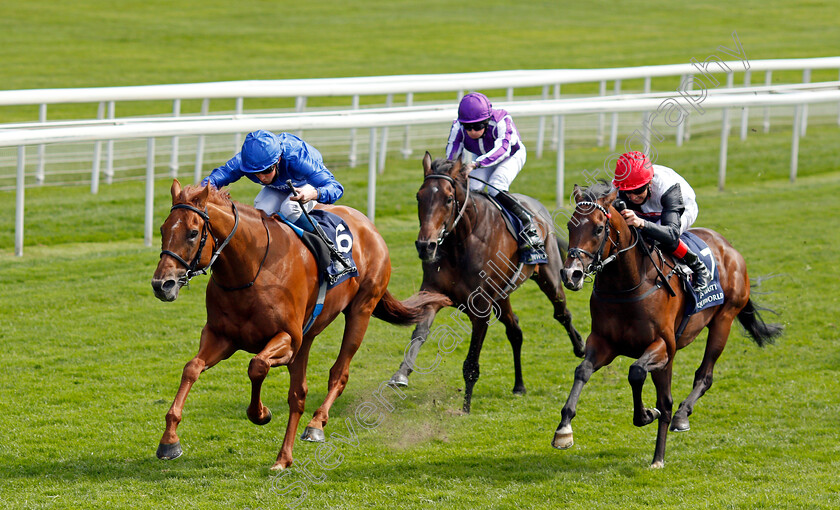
{"x":457,"y":169}
{"x":175,"y":190}
{"x":577,"y":193}
{"x":201,"y":199}
{"x":427,"y":164}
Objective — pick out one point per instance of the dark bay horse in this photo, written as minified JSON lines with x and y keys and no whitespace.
{"x":469,"y":256}
{"x":262,"y":290}
{"x":634,"y":315}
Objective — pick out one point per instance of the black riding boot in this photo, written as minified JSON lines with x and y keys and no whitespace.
{"x":529,"y":237}
{"x":701,"y":274}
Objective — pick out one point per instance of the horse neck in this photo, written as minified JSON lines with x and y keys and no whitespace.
{"x":474,"y":211}
{"x":239,"y":260}
{"x":628,"y":268}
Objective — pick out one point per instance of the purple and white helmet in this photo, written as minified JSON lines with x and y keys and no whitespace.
{"x":474,"y":107}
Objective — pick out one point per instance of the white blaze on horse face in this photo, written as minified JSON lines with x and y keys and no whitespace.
{"x":172,"y":231}
{"x":435,"y":189}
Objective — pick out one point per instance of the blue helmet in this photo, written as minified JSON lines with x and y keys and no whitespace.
{"x":260,"y":150}
{"x":474,"y":107}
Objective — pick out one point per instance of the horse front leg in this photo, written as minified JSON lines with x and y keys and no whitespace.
{"x":471,"y":368}
{"x":598,"y":353}
{"x":665,"y":402}
{"x":297,"y":403}
{"x":212,"y":350}
{"x":278,"y":351}
{"x":418,"y":338}
{"x":655,"y":357}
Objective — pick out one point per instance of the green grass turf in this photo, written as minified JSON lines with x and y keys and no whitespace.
{"x":92,"y":360}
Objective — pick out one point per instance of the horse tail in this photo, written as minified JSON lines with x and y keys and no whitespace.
{"x":410,"y":311}
{"x":760,"y":332}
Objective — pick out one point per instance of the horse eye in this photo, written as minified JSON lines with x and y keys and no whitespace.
{"x":193,"y":234}
{"x":599,"y":230}
{"x":449,"y":200}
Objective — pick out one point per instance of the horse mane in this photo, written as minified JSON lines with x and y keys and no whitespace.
{"x":597,"y":190}
{"x":443,"y":166}
{"x":220,"y":196}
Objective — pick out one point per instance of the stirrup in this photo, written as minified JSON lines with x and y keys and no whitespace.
{"x":530,"y":238}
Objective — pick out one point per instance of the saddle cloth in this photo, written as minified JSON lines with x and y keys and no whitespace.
{"x":514,"y":226}
{"x":712,"y":295}
{"x":342,"y":238}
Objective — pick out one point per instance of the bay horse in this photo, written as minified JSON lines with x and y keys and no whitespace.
{"x":634,"y":314}
{"x":262,"y":290}
{"x":469,"y":257}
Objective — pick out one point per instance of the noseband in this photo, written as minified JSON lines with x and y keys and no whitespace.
{"x":443,"y":231}
{"x":205,"y":230}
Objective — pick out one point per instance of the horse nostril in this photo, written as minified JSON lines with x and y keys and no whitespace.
{"x":577,"y":274}
{"x":168,"y":285}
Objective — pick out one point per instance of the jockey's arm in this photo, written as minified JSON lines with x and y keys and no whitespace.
{"x":225,"y":174}
{"x":667,"y":231}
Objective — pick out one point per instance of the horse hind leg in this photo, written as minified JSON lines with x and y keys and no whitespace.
{"x":514,"y":336}
{"x":548,"y":278}
{"x":718,"y":334}
{"x":354,"y":332}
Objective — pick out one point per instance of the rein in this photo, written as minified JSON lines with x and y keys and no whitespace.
{"x":206,"y":230}
{"x":597,"y":265}
{"x":443,"y":232}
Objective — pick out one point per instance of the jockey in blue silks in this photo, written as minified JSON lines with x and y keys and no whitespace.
{"x":492,"y":138}
{"x":270,"y":160}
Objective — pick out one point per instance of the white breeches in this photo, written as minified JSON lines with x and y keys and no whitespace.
{"x":499,"y":176}
{"x":274,"y":201}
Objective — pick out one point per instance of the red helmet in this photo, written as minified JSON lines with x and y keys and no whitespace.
{"x":632,"y":171}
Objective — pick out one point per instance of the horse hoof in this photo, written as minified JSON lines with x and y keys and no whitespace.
{"x":519,"y":390}
{"x":654,"y":414}
{"x":680,"y":425}
{"x":313,"y":435}
{"x":169,"y":451}
{"x":399,"y":379}
{"x":262,"y":421}
{"x":659,"y":464}
{"x":563,"y":438}
{"x":563,"y":441}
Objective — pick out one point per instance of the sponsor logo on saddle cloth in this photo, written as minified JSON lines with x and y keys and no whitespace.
{"x":712,"y":295}
{"x":339,"y":234}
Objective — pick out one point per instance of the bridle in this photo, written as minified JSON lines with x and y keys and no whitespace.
{"x":443,"y":230}
{"x":597,"y":265}
{"x":205,"y":231}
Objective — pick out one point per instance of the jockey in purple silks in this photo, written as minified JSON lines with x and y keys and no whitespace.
{"x":491,"y":138}
{"x":270,"y":160}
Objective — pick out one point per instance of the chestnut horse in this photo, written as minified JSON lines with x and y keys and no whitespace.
{"x":634,"y":314}
{"x":262,"y":291}
{"x":469,"y":256}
